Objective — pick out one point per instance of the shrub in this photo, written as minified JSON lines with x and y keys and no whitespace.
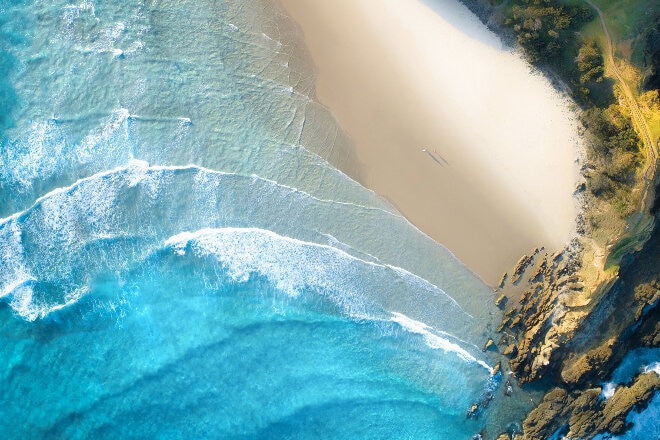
{"x":601,"y":186}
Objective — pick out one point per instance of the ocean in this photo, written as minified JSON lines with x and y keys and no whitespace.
{"x":180,"y":256}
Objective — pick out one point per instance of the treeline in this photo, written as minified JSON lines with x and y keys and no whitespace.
{"x":613,"y":156}
{"x":548,"y":31}
{"x":544,"y":28}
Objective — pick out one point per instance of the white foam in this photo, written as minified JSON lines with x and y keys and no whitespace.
{"x":72,"y":12}
{"x":106,"y":38}
{"x":14,"y":273}
{"x":634,"y":363}
{"x":608,"y":390}
{"x":133,"y":164}
{"x":655,"y":366}
{"x":290,"y":264}
{"x":422,"y":284}
{"x":645,"y":423}
{"x":87,"y":149}
{"x":435,"y":341}
{"x":24,"y":304}
{"x":337,"y":202}
{"x":36,"y":156}
{"x":44,"y":151}
{"x":203,"y":178}
{"x":139,"y":171}
{"x":115,"y":31}
{"x":293,"y":266}
{"x":637,"y":361}
{"x":68,"y":218}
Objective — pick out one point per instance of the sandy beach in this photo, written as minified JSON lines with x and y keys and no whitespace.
{"x":451,"y":127}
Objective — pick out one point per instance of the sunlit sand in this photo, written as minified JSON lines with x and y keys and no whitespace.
{"x":449,"y":125}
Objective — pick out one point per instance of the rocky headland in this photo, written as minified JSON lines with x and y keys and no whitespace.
{"x":571,"y":337}
{"x":571,"y":316}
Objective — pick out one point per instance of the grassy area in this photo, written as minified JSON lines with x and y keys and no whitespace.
{"x":643,"y":226}
{"x":567,"y":37}
{"x":626,"y":21}
{"x":649,"y":103}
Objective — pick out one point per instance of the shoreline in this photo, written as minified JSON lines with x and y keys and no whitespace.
{"x":573,"y":317}
{"x":560,"y":289}
{"x":446,"y":155}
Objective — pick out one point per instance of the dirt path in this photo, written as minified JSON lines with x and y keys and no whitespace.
{"x":638,"y":119}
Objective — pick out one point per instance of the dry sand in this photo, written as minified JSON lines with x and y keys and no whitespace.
{"x":449,"y":126}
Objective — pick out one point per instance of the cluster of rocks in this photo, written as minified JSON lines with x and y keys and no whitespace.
{"x":574,"y":336}
{"x":541,"y":319}
{"x":585,"y":412}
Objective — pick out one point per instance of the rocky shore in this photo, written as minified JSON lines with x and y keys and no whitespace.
{"x":564,"y":334}
{"x":572,"y":316}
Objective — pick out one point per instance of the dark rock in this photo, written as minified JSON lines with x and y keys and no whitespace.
{"x":625,"y":399}
{"x":515,"y":322}
{"x":496,"y":368}
{"x":510,"y":350}
{"x":501,"y":301}
{"x":580,"y":188}
{"x":548,"y":415}
{"x":486,"y":401}
{"x":503,"y":280}
{"x":508,"y":388}
{"x":582,"y":414}
{"x":520,"y":267}
{"x":576,"y":368}
{"x":505,"y":323}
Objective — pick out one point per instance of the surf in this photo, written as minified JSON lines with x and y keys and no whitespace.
{"x":178,"y":245}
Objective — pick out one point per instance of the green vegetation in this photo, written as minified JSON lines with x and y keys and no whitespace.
{"x":614,"y":156}
{"x":551,"y":35}
{"x":590,"y":62}
{"x":630,"y":22}
{"x":619,"y":101}
{"x":544,"y":28}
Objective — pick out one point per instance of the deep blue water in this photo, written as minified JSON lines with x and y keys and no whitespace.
{"x":180,"y":256}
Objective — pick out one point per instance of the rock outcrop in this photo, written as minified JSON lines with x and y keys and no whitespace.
{"x":583,"y":414}
{"x":571,"y":316}
{"x":575,"y":337}
{"x":544,"y":317}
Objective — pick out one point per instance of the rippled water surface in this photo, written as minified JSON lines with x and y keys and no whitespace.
{"x":180,"y":257}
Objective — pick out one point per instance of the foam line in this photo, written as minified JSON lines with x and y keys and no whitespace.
{"x":136,"y":164}
{"x":209,"y":240}
{"x":67,"y":218}
{"x":244,"y":251}
{"x":435,"y":341}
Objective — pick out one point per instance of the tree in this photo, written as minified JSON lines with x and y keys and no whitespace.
{"x":590,"y":62}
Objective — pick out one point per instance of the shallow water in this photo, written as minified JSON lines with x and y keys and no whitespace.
{"x":180,"y":256}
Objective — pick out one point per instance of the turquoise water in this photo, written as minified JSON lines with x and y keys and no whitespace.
{"x":180,"y":256}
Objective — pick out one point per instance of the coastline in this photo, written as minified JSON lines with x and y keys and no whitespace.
{"x":562,"y":291}
{"x":451,"y":153}
{"x":573,"y":319}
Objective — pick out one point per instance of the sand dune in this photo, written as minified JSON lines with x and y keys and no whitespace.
{"x":449,"y":125}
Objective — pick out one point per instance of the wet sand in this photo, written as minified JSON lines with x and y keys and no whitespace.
{"x":448,"y":125}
